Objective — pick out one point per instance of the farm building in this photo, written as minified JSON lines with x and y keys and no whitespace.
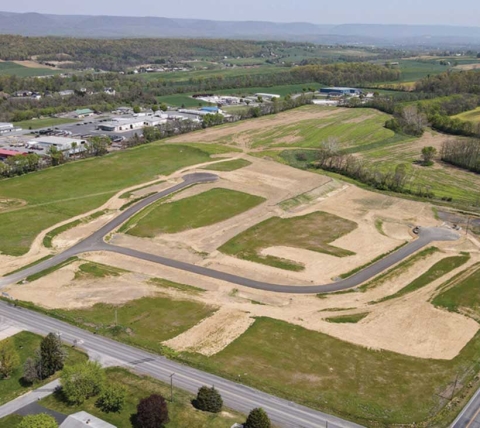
{"x":338,"y":91}
{"x":6,"y":127}
{"x":120,"y":124}
{"x":86,"y":112}
{"x":268,"y":96}
{"x":43,"y":144}
{"x":4,"y":154}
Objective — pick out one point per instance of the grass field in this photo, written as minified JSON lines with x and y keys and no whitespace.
{"x":470,"y":116}
{"x":13,"y":69}
{"x":228,"y":165}
{"x":181,"y":412}
{"x":43,"y":123}
{"x":97,"y":270}
{"x":144,"y":322}
{"x":347,"y":319}
{"x":78,"y":187}
{"x":312,"y":232}
{"x":210,"y":207}
{"x":338,"y":377}
{"x":25,"y":344}
{"x":438,"y":270}
{"x":463,"y":297}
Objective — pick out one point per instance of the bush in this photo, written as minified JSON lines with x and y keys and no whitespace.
{"x":258,"y":418}
{"x":112,"y":398}
{"x":9,"y":359}
{"x":152,"y":412}
{"x":31,"y":370}
{"x":82,"y":381}
{"x":41,"y":420}
{"x":208,"y":400}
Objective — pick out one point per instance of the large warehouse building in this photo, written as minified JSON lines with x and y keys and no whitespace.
{"x":121,"y":124}
{"x":69,"y":146}
{"x":340,"y":91}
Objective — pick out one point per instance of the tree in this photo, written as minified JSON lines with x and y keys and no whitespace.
{"x":428,"y":154}
{"x":41,"y":420}
{"x":257,"y":418}
{"x":31,"y":370}
{"x":99,"y":146}
{"x":163,"y":107}
{"x":52,"y":355}
{"x":136,"y":109}
{"x":412,"y":121}
{"x":112,"y":398}
{"x":152,"y":412}
{"x":9,"y":358}
{"x":56,"y":156}
{"x":209,"y":400}
{"x":82,"y":381}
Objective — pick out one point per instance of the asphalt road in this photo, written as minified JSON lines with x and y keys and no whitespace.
{"x":95,"y":242}
{"x":470,"y":415}
{"x":236,"y":396}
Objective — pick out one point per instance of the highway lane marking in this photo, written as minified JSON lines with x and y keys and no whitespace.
{"x":473,"y":419}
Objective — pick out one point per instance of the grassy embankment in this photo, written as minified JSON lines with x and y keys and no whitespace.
{"x":43,"y":123}
{"x":312,"y":232}
{"x":56,"y":194}
{"x":210,"y":207}
{"x":228,"y":165}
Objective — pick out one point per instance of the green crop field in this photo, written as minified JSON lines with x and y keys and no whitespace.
{"x":372,"y":387}
{"x":181,"y":411}
{"x":144,"y":322}
{"x":210,"y":207}
{"x":470,"y":116}
{"x":43,"y":123}
{"x":57,"y":194}
{"x":25,"y":344}
{"x":313,"y":232}
{"x":228,"y":165}
{"x":463,"y":297}
{"x":13,"y":69}
{"x":438,"y":270}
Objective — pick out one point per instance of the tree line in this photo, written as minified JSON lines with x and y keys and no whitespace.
{"x":464,"y":153}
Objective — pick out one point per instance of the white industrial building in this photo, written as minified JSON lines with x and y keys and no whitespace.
{"x":122,"y":124}
{"x":70,"y":146}
{"x":268,"y":96}
{"x":84,"y":420}
{"x":6,"y":127}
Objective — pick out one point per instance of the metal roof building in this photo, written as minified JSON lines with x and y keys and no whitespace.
{"x":85,"y":420}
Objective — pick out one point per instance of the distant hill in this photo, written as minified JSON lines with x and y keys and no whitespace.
{"x":36,"y":24}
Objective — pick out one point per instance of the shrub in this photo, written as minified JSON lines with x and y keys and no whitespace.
{"x":258,"y":418}
{"x":208,"y":400}
{"x":9,"y":359}
{"x":31,"y":370}
{"x":112,"y":398}
{"x":82,"y":381}
{"x":41,"y":420}
{"x":152,"y":412}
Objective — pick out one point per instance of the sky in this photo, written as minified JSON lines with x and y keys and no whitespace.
{"x":459,"y":12}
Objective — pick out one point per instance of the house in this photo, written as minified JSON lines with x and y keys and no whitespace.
{"x":23,"y":94}
{"x":85,"y":420}
{"x":123,"y":110}
{"x":86,"y":112}
{"x":66,"y":93}
{"x":109,"y":91}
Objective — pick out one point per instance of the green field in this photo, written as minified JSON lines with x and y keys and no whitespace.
{"x":43,"y":123}
{"x":25,"y":344}
{"x":228,"y":165}
{"x":372,"y":387}
{"x":181,"y":412}
{"x":14,"y":69}
{"x":312,"y":232}
{"x":470,"y":116}
{"x":56,"y":194}
{"x":91,"y":270}
{"x":347,"y":319}
{"x":144,"y":322}
{"x":210,"y":207}
{"x":438,"y":270}
{"x":463,"y":297}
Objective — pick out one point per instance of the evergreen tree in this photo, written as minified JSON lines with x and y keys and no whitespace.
{"x":52,"y":355}
{"x":209,"y":400}
{"x":258,"y":418}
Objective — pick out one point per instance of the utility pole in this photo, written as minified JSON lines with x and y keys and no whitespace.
{"x":171,"y":387}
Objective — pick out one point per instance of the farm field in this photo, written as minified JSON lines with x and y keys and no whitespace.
{"x":313,"y":232}
{"x":14,"y":69}
{"x":210,"y":207}
{"x":470,"y":116}
{"x":25,"y":344}
{"x":280,"y":358}
{"x":43,"y":123}
{"x":462,"y":295}
{"x":61,"y":198}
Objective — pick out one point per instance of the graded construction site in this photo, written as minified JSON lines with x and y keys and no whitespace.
{"x":392,"y":350}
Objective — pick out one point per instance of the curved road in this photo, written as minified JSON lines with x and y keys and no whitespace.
{"x":95,"y":242}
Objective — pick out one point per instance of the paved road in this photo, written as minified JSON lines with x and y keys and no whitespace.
{"x":96,"y":243}
{"x":29,"y":398}
{"x":470,"y":415}
{"x":236,"y":396}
